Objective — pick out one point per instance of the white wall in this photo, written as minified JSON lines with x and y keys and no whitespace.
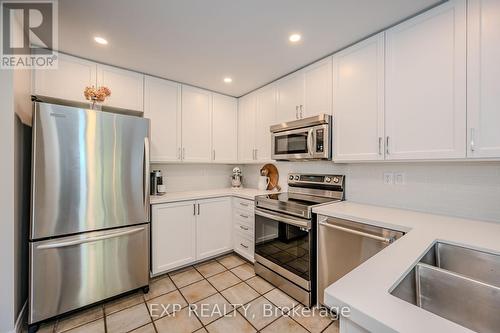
{"x":463,"y":189}
{"x":7,"y":301}
{"x":188,"y":177}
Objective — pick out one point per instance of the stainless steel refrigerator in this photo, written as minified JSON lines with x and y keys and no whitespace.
{"x":89,"y":230}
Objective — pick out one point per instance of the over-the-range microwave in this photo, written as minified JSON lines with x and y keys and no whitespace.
{"x":304,"y":139}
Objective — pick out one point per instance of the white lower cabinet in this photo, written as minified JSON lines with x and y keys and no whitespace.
{"x":173,"y":229}
{"x":213,"y":227}
{"x":189,"y":231}
{"x":244,"y":227}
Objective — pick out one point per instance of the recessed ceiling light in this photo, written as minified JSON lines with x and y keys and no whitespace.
{"x":228,"y":80}
{"x":294,"y":38}
{"x":101,"y":40}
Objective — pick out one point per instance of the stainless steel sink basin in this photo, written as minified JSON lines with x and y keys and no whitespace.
{"x":456,"y":283}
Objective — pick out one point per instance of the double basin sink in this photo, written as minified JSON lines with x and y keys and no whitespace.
{"x":456,"y":283}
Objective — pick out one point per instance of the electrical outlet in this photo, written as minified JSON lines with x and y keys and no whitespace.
{"x":399,"y":178}
{"x":388,"y":178}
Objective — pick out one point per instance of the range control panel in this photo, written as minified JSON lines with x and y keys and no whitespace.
{"x":298,"y":178}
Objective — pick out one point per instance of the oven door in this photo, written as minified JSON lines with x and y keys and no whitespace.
{"x":283,"y":244}
{"x":303,"y":143}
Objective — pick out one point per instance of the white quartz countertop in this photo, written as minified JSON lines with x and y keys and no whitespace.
{"x":245,"y":193}
{"x":366,"y":289}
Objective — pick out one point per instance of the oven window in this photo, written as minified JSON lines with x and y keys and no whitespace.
{"x":285,"y":245}
{"x":291,"y":144}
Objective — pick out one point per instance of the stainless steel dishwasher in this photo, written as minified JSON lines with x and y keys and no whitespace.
{"x":343,"y":245}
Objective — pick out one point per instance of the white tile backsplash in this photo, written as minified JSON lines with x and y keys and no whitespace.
{"x":463,"y":189}
{"x":191,"y":177}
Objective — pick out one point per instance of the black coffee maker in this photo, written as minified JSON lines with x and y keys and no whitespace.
{"x":156,"y":179}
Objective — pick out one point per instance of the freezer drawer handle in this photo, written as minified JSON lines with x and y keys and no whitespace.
{"x":360,"y":233}
{"x":88,"y":240}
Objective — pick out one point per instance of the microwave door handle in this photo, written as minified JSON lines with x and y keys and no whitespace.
{"x":310,"y":141}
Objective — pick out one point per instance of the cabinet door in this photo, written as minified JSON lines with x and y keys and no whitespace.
{"x":483,"y":91}
{"x":317,"y":89}
{"x":173,"y":235}
{"x":265,"y":117}
{"x":247,"y":108}
{"x":196,"y":124}
{"x":358,"y":103}
{"x":67,"y":81}
{"x":214,"y":227}
{"x":162,"y":106}
{"x":426,"y":85}
{"x":290,"y":97}
{"x":224,"y":129}
{"x":127,"y":87}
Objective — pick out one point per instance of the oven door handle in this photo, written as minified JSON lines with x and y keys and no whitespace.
{"x":288,"y":220}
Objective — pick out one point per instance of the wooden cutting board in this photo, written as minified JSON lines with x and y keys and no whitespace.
{"x":271,"y":171}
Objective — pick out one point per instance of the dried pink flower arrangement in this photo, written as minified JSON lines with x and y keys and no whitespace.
{"x":96,"y":94}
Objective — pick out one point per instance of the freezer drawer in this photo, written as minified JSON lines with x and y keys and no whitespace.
{"x":71,"y":272}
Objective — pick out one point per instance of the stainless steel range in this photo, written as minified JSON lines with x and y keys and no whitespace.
{"x":285,"y":233}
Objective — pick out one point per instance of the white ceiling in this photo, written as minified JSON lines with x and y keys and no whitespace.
{"x":199,"y":42}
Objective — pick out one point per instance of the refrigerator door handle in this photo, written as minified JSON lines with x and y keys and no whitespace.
{"x":146,"y":188}
{"x":88,"y":240}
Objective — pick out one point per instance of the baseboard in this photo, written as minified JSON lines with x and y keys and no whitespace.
{"x":20,"y":318}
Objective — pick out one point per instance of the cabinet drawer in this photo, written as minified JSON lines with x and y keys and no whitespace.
{"x":245,"y":229}
{"x":244,"y":204}
{"x":244,"y":216}
{"x":244,"y":246}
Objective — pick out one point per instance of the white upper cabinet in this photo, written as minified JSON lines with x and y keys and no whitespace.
{"x":317,"y":89}
{"x":358,"y":101}
{"x":224,"y":129}
{"x":247,"y":108}
{"x":68,"y":81}
{"x":127,"y":87}
{"x":214,"y":227}
{"x":265,"y":117}
{"x":305,"y":93}
{"x":483,"y":109}
{"x":162,"y":106}
{"x":290,"y":97}
{"x":426,"y":85}
{"x":196,"y":124}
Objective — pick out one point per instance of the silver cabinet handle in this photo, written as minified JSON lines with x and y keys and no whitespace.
{"x":359,"y":233}
{"x":198,"y":209}
{"x":244,"y":216}
{"x":146,"y":185}
{"x":301,"y":110}
{"x":194,"y":209}
{"x":243,"y":204}
{"x":380,"y":145}
{"x":387,"y":145}
{"x":244,"y":228}
{"x":213,"y":154}
{"x":472,"y":143}
{"x":296,"y":112}
{"x":245,"y":246}
{"x":183,"y":153}
{"x":179,"y":156}
{"x":88,"y":240}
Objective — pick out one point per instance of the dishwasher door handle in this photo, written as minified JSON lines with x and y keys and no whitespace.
{"x":359,"y":233}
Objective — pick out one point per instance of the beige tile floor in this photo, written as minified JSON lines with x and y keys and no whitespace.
{"x":220,"y":285}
